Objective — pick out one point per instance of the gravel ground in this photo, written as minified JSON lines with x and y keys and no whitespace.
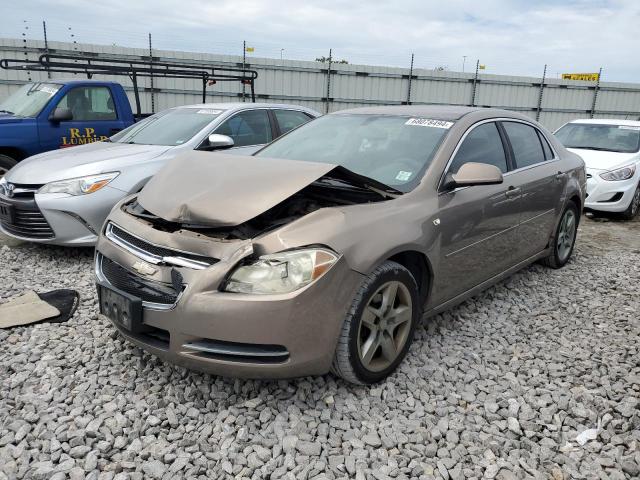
{"x":498,"y":387}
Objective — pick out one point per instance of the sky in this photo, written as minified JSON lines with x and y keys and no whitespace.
{"x":516,"y":37}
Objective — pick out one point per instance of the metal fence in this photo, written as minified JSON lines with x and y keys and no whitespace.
{"x":327,"y":86}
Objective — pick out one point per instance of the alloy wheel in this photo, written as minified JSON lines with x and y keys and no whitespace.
{"x":566,"y":234}
{"x":385,"y":326}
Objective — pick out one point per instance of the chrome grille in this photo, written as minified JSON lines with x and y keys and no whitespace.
{"x":156,"y":254}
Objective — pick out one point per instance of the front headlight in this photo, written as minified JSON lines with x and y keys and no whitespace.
{"x":281,"y":272}
{"x":79,"y":186}
{"x":623,"y":173}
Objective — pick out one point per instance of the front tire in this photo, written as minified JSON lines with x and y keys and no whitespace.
{"x":565,"y":237}
{"x":6,"y":163}
{"x":634,"y":206}
{"x":379,"y":326}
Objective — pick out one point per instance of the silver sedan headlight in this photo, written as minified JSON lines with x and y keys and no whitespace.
{"x":281,"y":272}
{"x":79,"y":186}
{"x":623,"y":173}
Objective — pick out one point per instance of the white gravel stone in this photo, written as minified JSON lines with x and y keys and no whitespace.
{"x":495,"y":388}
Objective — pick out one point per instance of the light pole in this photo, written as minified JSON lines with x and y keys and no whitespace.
{"x":281,"y":50}
{"x":464,"y":59}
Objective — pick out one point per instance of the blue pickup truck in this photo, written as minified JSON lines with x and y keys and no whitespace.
{"x":44,"y":116}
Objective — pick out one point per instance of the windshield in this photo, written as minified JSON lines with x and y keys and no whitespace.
{"x":29,"y":100}
{"x":170,"y":128}
{"x":612,"y":138}
{"x":394,"y":150}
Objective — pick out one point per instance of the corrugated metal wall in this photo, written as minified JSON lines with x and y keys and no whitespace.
{"x":305,"y":83}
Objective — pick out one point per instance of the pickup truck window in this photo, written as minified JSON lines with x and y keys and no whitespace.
{"x":89,"y":103}
{"x":30,"y":99}
{"x":170,"y":128}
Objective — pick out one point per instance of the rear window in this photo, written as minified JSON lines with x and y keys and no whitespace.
{"x":610,"y":138}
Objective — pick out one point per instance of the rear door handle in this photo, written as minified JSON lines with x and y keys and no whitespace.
{"x":512,"y":192}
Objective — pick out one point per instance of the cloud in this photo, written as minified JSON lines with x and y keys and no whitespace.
{"x":509,"y":36}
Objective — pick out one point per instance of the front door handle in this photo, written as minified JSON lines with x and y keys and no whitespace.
{"x":560,"y":175}
{"x":513,"y":192}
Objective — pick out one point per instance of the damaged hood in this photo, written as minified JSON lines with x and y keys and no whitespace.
{"x":223,"y":190}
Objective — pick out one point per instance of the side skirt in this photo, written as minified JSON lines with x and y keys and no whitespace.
{"x":484,"y":285}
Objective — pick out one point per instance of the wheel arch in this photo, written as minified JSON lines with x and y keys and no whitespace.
{"x":420,"y":267}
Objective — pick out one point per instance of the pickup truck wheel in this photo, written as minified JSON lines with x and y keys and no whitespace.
{"x":564,"y":238}
{"x":379,"y":327}
{"x":6,"y":163}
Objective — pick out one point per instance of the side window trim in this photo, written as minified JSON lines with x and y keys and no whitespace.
{"x":496,"y":121}
{"x":275,"y":126}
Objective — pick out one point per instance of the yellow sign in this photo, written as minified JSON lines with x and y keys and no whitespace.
{"x":585,"y":77}
{"x":481,"y":67}
{"x":249,"y":49}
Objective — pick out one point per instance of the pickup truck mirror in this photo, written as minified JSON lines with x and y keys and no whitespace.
{"x":216,"y":141}
{"x":471,"y":174}
{"x":61,"y":115}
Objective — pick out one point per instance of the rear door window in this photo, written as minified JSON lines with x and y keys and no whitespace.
{"x":548,"y":153}
{"x":290,"y":119}
{"x":251,"y":127}
{"x":482,"y":145}
{"x":525,"y":143}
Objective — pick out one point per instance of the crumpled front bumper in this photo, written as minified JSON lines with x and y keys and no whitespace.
{"x":232,"y":334}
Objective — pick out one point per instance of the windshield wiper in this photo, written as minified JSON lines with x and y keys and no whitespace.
{"x":7,"y":111}
{"x":599,"y":149}
{"x":348,"y":177}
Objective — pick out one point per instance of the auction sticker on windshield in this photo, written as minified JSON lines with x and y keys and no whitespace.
{"x":428,"y":122}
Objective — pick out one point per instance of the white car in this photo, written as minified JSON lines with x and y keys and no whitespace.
{"x":611,"y":152}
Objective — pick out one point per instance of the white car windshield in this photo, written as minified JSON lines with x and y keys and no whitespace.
{"x":29,"y":100}
{"x":394,"y":150}
{"x":610,"y":138}
{"x":170,"y":128}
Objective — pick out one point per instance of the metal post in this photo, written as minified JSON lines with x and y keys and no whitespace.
{"x":136,"y":93}
{"x":46,"y":44}
{"x":326,"y":107}
{"x":24,"y":46}
{"x":475,"y":83}
{"x":153,"y":95}
{"x":410,"y":77}
{"x":244,"y":63}
{"x":464,"y":60}
{"x":595,"y":94}
{"x":544,"y":77}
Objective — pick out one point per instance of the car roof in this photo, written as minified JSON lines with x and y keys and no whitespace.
{"x":442,"y":112}
{"x":607,"y":121}
{"x":245,"y":105}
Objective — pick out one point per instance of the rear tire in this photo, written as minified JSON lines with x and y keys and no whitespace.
{"x":565,"y":238}
{"x":634,"y":206}
{"x":379,"y":326}
{"x":6,"y":163}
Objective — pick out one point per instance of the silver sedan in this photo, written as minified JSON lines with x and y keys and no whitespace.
{"x":62,"y":197}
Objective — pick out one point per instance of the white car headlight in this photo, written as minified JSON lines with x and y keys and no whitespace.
{"x":281,"y":272}
{"x":79,"y":186}
{"x":623,"y":173}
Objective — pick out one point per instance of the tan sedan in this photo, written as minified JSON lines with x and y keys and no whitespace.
{"x":325,"y":249}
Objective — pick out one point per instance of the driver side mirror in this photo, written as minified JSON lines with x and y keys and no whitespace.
{"x":216,"y":141}
{"x":61,"y":115}
{"x":471,"y":174}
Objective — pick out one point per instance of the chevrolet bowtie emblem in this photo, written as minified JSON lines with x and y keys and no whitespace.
{"x":143,"y":268}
